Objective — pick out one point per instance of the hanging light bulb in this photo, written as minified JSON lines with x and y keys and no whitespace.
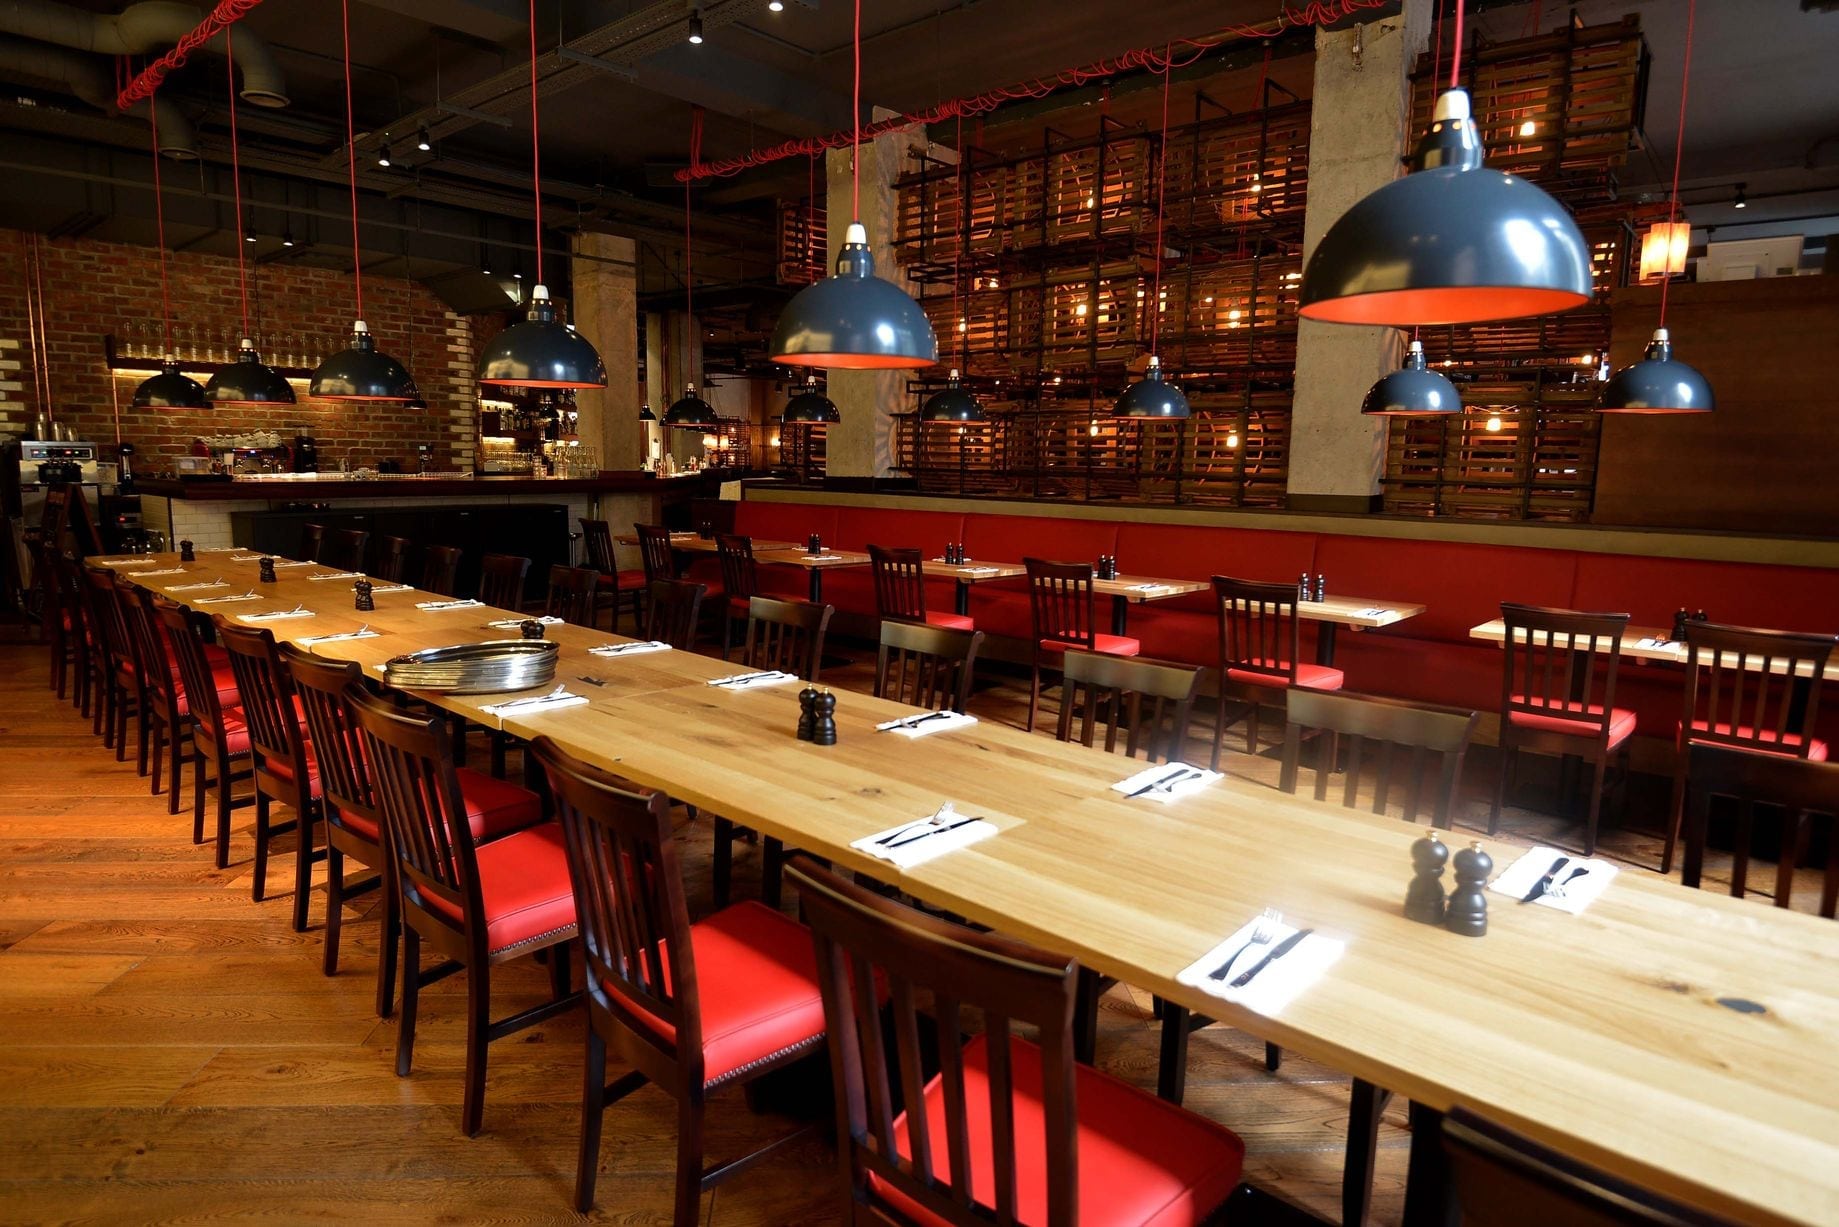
{"x":1528,"y":128}
{"x":696,"y":28}
{"x":1493,"y":424}
{"x":1451,"y":242}
{"x":422,"y":142}
{"x":1413,"y":390}
{"x":1664,"y":249}
{"x":1232,"y":439}
{"x":954,"y":403}
{"x":691,"y":412}
{"x":1150,"y":397}
{"x":775,"y":6}
{"x":1740,"y":202}
{"x":249,"y":236}
{"x":287,"y":236}
{"x":811,"y":405}
{"x":383,"y":155}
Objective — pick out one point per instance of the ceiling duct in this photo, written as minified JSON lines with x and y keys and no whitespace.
{"x":142,"y":29}
{"x":86,"y":77}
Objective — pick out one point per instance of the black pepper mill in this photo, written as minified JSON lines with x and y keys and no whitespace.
{"x":807,"y":713}
{"x":1424,"y":897}
{"x":186,"y":554}
{"x":1302,"y":587}
{"x":1468,"y":903}
{"x":814,"y":544}
{"x":366,"y":602}
{"x":1679,"y":625}
{"x":823,"y":729}
{"x":266,"y":570}
{"x":530,"y":628}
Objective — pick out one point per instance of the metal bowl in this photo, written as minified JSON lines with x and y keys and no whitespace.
{"x":493,"y":667}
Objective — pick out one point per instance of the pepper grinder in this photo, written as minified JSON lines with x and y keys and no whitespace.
{"x":814,"y":544}
{"x":1321,"y":588}
{"x":366,"y":602}
{"x":807,"y":713}
{"x":1302,"y":587}
{"x":1424,"y":897}
{"x":823,"y":728}
{"x":266,"y":571}
{"x":530,"y":628}
{"x":186,"y":554}
{"x":1468,"y":903}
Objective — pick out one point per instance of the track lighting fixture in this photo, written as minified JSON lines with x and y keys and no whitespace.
{"x":696,"y":28}
{"x":383,"y":155}
{"x":422,"y":142}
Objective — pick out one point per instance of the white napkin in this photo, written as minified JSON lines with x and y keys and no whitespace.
{"x":375,"y":591}
{"x":341,"y":635}
{"x":247,"y":557}
{"x":440,"y":605}
{"x":1151,"y":587}
{"x":927,"y":723}
{"x":276,"y":617}
{"x":1573,"y":896}
{"x":1151,"y":778}
{"x":339,"y":575}
{"x":129,"y":562}
{"x":1280,"y":983}
{"x":559,"y":697}
{"x":823,"y":558}
{"x":163,"y":571}
{"x":1372,"y":611}
{"x":216,"y":583}
{"x":1659,"y":645}
{"x":909,"y":845}
{"x":216,"y":549}
{"x":280,"y":563}
{"x":513,"y":623}
{"x":219,"y":600}
{"x":748,"y":681}
{"x":979,"y":570}
{"x":629,"y":649}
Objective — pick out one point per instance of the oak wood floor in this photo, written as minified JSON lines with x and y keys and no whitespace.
{"x":171,"y":1053}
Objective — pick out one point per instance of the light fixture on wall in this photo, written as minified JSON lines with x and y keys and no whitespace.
{"x":954,"y":403}
{"x":538,"y":351}
{"x":1451,"y":242}
{"x":1414,"y":390}
{"x":1657,"y":383}
{"x":1150,"y":397}
{"x":811,"y":405}
{"x":854,"y":320}
{"x":171,"y":388}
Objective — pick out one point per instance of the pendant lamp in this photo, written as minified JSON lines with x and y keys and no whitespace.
{"x":170,"y":389}
{"x":646,"y":415}
{"x":811,"y":405}
{"x":855,"y":320}
{"x":691,"y":411}
{"x":362,"y":372}
{"x":1658,"y":384}
{"x":954,"y":404}
{"x":1449,"y":243}
{"x":540,"y":352}
{"x":1414,"y":390}
{"x":1149,"y":397}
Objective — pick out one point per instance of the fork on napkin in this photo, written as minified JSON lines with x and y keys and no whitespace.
{"x":1166,"y":782}
{"x":161,"y":571}
{"x":296,"y":612}
{"x":1282,"y":965}
{"x":363,"y":632}
{"x":431,"y":606}
{"x":629,"y":649}
{"x":508,"y":624}
{"x":392,"y":588}
{"x":1572,"y":889}
{"x":746,"y":681}
{"x":218,"y":600}
{"x":914,"y":843}
{"x":216,"y":583}
{"x":559,"y":697}
{"x":339,"y":575}
{"x":926,"y":723}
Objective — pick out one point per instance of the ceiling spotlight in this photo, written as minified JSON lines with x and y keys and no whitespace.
{"x":383,"y":155}
{"x":1740,"y":202}
{"x":696,"y":28}
{"x":422,"y":142}
{"x":777,"y":6}
{"x":248,"y":236}
{"x":287,"y":237}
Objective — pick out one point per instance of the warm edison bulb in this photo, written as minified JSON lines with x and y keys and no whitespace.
{"x":1056,"y":379}
{"x":709,"y":440}
{"x":773,"y":442}
{"x":1093,"y":430}
{"x":1090,"y":201}
{"x":1080,"y":310}
{"x":1528,"y":128}
{"x":963,"y":327}
{"x":1232,"y":439}
{"x":1494,"y":423}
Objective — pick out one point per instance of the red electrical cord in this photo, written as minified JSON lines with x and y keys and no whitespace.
{"x":1455,"y":55}
{"x":855,"y":135}
{"x":142,"y":87}
{"x":236,"y":179}
{"x":536,"y":154}
{"x":159,"y":218}
{"x":1162,"y":180}
{"x":351,"y":165}
{"x":1679,"y":147}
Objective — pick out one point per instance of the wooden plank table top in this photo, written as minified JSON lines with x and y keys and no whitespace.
{"x":1681,"y":1038}
{"x":1652,"y":643}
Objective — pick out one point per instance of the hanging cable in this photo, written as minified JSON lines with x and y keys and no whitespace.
{"x":536,"y":154}
{"x":1455,"y":54}
{"x":957,"y":268}
{"x":1162,"y":182}
{"x":236,"y":178}
{"x":1679,"y":145}
{"x":143,"y":87}
{"x":351,"y":166}
{"x":855,"y":135}
{"x":159,"y":220}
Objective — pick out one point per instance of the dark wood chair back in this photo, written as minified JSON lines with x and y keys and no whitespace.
{"x":1061,"y":597}
{"x":967,"y":975}
{"x":186,"y":632}
{"x":900,"y":583}
{"x":1149,"y":700}
{"x":439,"y":570}
{"x":151,"y":651}
{"x":1562,"y":663}
{"x":740,"y":578}
{"x":672,"y":609}
{"x":501,"y":581}
{"x":655,"y":554}
{"x":1794,"y":791}
{"x":1770,"y":705}
{"x":709,"y":516}
{"x":312,"y":540}
{"x":787,"y":635}
{"x":338,"y":742}
{"x":344,"y":548}
{"x":392,"y":559}
{"x":572,"y":594}
{"x":1259,"y":629}
{"x":1502,"y":1179}
{"x":267,"y":692}
{"x":1423,"y":736}
{"x":105,"y":610}
{"x":597,"y":540}
{"x":927,"y":666}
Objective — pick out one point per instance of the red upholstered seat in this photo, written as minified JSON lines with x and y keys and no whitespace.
{"x":222,"y":680}
{"x":1110,"y":645}
{"x":1141,"y":1160}
{"x":756,"y":977}
{"x":1766,"y":739}
{"x":284,"y":769}
{"x":1621,"y":721}
{"x":523,"y":883}
{"x":951,"y":621}
{"x":235,"y":732}
{"x":1311,"y":677}
{"x":628,"y":581}
{"x":494,"y":807}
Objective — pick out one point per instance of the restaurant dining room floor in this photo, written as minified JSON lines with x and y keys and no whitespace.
{"x":171,"y":1053}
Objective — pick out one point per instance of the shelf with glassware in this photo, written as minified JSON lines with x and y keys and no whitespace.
{"x":203,"y":351}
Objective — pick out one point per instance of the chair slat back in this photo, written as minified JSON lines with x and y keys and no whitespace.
{"x":597,"y":538}
{"x":927,"y":666}
{"x":338,"y":742}
{"x":900,"y":583}
{"x":344,"y":548}
{"x":312,"y":540}
{"x":1561,"y":663}
{"x":1754,"y":688}
{"x":501,"y":581}
{"x":1794,"y":790}
{"x":152,"y":650}
{"x":1429,"y":742}
{"x":186,"y":632}
{"x":105,"y":609}
{"x":672,"y":609}
{"x":786,"y":635}
{"x":439,"y":570}
{"x":1062,"y":600}
{"x":1259,"y":630}
{"x":1148,"y":700}
{"x":655,"y":553}
{"x":966,"y":974}
{"x":572,"y":592}
{"x":740,"y":577}
{"x":267,"y":692}
{"x":392,"y":559}
{"x":629,"y":905}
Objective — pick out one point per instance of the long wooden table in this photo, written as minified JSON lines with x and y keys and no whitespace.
{"x":1650,"y":643}
{"x":1683,"y":1039}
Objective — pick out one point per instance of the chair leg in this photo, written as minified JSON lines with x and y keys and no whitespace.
{"x":593,"y":1112}
{"x":727,"y":632}
{"x":1596,"y":805}
{"x":391,"y":943}
{"x":478,"y":1029}
{"x":159,"y":752}
{"x":561,"y":957}
{"x":176,"y":768}
{"x":1251,"y":729}
{"x":1086,"y":991}
{"x":303,"y":866}
{"x":1034,"y":697}
{"x":689,"y":1164}
{"x":723,"y":873}
{"x":140,"y":734}
{"x":223,"y":815}
{"x":1172,"y":1063}
{"x":198,"y":795}
{"x":260,"y":886}
{"x":1273,"y":1058}
{"x":411,"y":997}
{"x":1363,"y":1115}
{"x":1219,"y":725}
{"x":1500,"y":787}
{"x":335,"y":905}
{"x":772,"y":866}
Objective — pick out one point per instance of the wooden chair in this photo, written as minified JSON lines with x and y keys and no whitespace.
{"x":573,"y":595}
{"x":219,"y":735}
{"x":1793,"y":789}
{"x":440,"y":570}
{"x":1260,"y":652}
{"x":167,"y":707}
{"x":1062,"y":601}
{"x":121,"y":690}
{"x":1118,"y":686}
{"x":312,"y":540}
{"x":927,"y":666}
{"x":1007,"y":1130}
{"x":1502,"y":1179}
{"x":501,"y":581}
{"x":285,"y":765}
{"x":655,"y":553}
{"x":63,"y":573}
{"x":60,"y":625}
{"x":392,"y":562}
{"x":1771,"y":708}
{"x":1437,"y":737}
{"x":900,"y":589}
{"x":477,"y":904}
{"x":343,"y":548}
{"x":691,"y":1008}
{"x":1558,"y":687}
{"x":673,"y":608}
{"x":620,"y":588}
{"x":740,"y":582}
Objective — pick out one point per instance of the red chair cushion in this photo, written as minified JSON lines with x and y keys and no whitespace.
{"x":1310,"y":677}
{"x":221,"y":679}
{"x":284,"y":769}
{"x":1110,"y":645}
{"x":1621,"y":721}
{"x":523,"y":883}
{"x":1766,"y":741}
{"x":756,"y":978}
{"x":951,"y":621}
{"x":629,"y":581}
{"x":494,"y":808}
{"x":235,"y":732}
{"x":1142,"y":1161}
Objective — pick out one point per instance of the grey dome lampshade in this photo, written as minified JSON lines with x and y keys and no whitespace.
{"x":810,"y":405}
{"x":646,"y":415}
{"x":1450,"y":243}
{"x":954,"y":403}
{"x":541,"y":353}
{"x":691,"y":412}
{"x":362,"y":372}
{"x":1657,"y":384}
{"x":249,"y":381}
{"x":854,"y":320}
{"x":1414,"y":390}
{"x":170,"y":389}
{"x":1150,"y":397}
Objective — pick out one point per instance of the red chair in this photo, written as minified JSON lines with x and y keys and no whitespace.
{"x":900,"y":590}
{"x":692,"y":1008}
{"x":1061,"y":598}
{"x":619,"y":587}
{"x":80,"y":636}
{"x":740,"y":582}
{"x":168,"y":707}
{"x":120,"y":690}
{"x":1260,"y":647}
{"x":477,"y":904}
{"x":218,"y":732}
{"x":1008,"y":1130}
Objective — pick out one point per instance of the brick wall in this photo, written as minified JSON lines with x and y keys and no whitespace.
{"x":93,"y":289}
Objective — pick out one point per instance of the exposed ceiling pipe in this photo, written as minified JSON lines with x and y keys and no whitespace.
{"x":87,"y":78}
{"x":142,"y":29}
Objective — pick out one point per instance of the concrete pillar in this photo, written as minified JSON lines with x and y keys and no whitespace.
{"x":1359,"y":128}
{"x":604,"y":308}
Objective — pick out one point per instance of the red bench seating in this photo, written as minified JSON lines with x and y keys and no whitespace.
{"x":1429,"y":658}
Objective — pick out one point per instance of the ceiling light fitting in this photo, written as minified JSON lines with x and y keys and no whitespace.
{"x":1150,"y":397}
{"x":1414,"y":390}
